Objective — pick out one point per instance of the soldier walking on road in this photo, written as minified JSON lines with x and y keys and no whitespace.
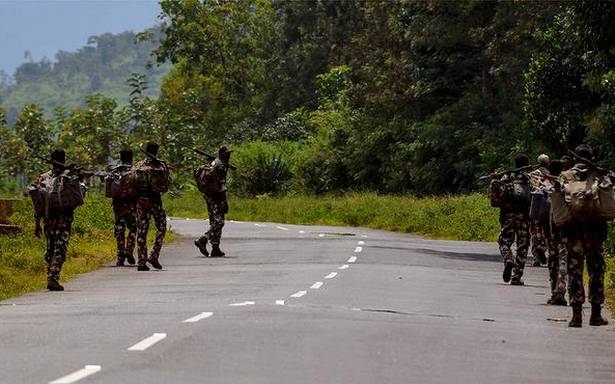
{"x":558,"y":256}
{"x":217,"y":204}
{"x":56,"y":223}
{"x":539,"y":228}
{"x":514,"y":223}
{"x":125,"y":210}
{"x":584,"y":241}
{"x":149,"y":204}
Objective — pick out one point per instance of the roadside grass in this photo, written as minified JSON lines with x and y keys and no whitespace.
{"x":460,"y":217}
{"x":22,"y":266}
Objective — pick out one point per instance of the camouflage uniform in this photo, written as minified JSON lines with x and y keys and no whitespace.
{"x":584,"y":244}
{"x":539,"y":230}
{"x":149,"y":205}
{"x":125,"y":212}
{"x":57,"y":230}
{"x":217,"y":204}
{"x":515,"y":227}
{"x":557,"y":263}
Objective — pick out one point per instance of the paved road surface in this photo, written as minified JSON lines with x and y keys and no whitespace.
{"x":301,"y":304}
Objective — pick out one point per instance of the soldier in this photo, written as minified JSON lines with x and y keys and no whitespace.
{"x":125,"y":210}
{"x":217,"y":205}
{"x":149,"y":205}
{"x":514,"y":223}
{"x":539,"y":230}
{"x":558,"y":257}
{"x":57,"y":226}
{"x":584,"y":243}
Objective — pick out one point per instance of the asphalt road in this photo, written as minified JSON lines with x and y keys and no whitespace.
{"x":303,"y":304}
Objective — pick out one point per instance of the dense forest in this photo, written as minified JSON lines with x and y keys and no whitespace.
{"x":102,"y":66}
{"x":404,"y":96}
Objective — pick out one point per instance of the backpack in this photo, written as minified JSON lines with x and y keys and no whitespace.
{"x":509,"y":193}
{"x":206,"y":179}
{"x":540,"y":206}
{"x":117,"y":183}
{"x":149,"y":175}
{"x":54,"y":194}
{"x":583,"y":200}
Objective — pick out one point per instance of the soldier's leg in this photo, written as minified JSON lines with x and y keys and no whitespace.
{"x":143,"y":218}
{"x":553,"y":265}
{"x":119,"y":230}
{"x":61,"y":247}
{"x":523,"y":243}
{"x":160,"y":220}
{"x":562,"y":278}
{"x":49,"y":231}
{"x":505,"y":240}
{"x":131,"y":224}
{"x":595,"y":269}
{"x":216,"y":223}
{"x":574,"y":250}
{"x":538,"y":243}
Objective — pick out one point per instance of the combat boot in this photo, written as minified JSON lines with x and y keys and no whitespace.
{"x":130,"y":259}
{"x":201,"y":244}
{"x":154,"y":263}
{"x":596,"y":317}
{"x":508,"y":266}
{"x":53,"y":285}
{"x":557,"y":300}
{"x":577,"y":316}
{"x":216,"y":251}
{"x":516,"y":281}
{"x":142,"y":268}
{"x":120,"y":262}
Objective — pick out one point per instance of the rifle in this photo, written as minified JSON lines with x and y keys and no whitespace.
{"x":71,"y":167}
{"x":206,"y":155}
{"x":152,"y":157}
{"x":590,"y":163}
{"x":495,"y":175}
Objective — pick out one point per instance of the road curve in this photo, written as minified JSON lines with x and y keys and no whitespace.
{"x":303,"y":304}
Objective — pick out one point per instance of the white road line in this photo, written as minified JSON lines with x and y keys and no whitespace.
{"x":199,"y":317}
{"x":361,"y":242}
{"x":345,"y":266}
{"x":358,"y":249}
{"x":260,"y":225}
{"x":364,"y":236}
{"x":316,"y":285}
{"x":321,"y":235}
{"x":301,"y":231}
{"x":242,"y":304}
{"x":148,"y":342}
{"x":279,"y":302}
{"x":353,"y":259}
{"x":78,"y":375}
{"x":282,"y":228}
{"x":298,"y":294}
{"x":331,"y":275}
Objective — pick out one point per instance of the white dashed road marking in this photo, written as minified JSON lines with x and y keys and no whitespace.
{"x":301,"y":231}
{"x":282,"y":228}
{"x":242,"y":304}
{"x":279,"y":302}
{"x":331,"y":275}
{"x":321,"y":235}
{"x":148,"y":342}
{"x":259,"y":225}
{"x":361,"y":242}
{"x":298,"y":294}
{"x":358,"y":249}
{"x":364,"y":236}
{"x":199,"y":317}
{"x":352,"y":259}
{"x":345,"y":266}
{"x":77,"y":375}
{"x":316,"y":285}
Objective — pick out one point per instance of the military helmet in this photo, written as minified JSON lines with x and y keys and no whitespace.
{"x":543,"y":159}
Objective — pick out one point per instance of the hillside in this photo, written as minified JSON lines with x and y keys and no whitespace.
{"x":102,"y":66}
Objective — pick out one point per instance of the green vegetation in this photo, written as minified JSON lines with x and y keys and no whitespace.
{"x":22,"y":267}
{"x":102,"y":66}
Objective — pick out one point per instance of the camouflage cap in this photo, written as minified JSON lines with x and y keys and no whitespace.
{"x":224,"y":149}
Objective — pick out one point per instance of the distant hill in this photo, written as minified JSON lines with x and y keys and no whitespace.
{"x":102,"y":66}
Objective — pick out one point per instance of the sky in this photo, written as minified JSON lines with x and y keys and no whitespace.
{"x":44,"y":27}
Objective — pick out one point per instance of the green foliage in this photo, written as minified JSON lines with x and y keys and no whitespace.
{"x":102,"y":66}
